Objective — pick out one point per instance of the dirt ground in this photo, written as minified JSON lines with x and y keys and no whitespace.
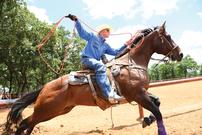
{"x":181,"y":106}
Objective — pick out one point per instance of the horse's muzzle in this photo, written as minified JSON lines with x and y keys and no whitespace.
{"x":181,"y":56}
{"x":177,"y":58}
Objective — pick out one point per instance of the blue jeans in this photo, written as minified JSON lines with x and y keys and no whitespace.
{"x":100,"y":74}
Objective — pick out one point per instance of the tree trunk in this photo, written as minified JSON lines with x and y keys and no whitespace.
{"x":11,"y":82}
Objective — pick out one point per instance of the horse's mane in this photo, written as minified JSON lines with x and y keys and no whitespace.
{"x":143,"y":33}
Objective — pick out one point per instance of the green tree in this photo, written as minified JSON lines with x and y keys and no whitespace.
{"x":154,"y":74}
{"x":200,"y":70}
{"x":73,"y":57}
{"x":187,"y":67}
{"x":21,"y":67}
{"x":8,"y":38}
{"x":166,"y":71}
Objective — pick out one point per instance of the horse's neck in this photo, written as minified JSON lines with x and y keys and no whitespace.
{"x":142,"y":54}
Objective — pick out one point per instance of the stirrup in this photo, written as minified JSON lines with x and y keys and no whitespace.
{"x":115,"y":99}
{"x":112,"y":100}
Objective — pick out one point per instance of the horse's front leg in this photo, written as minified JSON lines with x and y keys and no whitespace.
{"x":147,"y":121}
{"x":145,"y":101}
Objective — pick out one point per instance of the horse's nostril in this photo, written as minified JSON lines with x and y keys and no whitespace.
{"x":181,"y":55}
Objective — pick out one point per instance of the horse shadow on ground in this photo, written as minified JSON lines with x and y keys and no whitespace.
{"x":124,"y":126}
{"x":102,"y":131}
{"x":97,"y":131}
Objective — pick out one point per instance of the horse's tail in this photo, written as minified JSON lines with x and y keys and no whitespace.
{"x":15,"y":114}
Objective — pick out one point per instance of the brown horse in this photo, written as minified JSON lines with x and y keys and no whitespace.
{"x":58,"y":97}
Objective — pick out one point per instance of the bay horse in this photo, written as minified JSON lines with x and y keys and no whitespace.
{"x":58,"y":97}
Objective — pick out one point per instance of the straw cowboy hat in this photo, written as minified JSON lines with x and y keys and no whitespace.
{"x":103,"y":27}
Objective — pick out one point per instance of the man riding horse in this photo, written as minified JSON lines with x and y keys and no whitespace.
{"x":95,"y":48}
{"x":59,"y":97}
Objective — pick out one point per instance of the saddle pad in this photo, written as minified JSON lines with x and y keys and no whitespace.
{"x":77,"y":79}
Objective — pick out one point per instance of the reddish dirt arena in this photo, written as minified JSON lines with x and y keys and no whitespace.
{"x":181,"y":106}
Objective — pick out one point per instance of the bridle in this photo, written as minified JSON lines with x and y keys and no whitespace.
{"x":172,"y":48}
{"x":163,"y":40}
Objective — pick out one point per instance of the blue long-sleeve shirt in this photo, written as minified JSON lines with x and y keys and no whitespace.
{"x":96,"y":45}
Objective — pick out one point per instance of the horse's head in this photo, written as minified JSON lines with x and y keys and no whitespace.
{"x":165,"y":45}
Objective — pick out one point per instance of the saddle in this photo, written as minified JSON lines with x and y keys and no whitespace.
{"x":81,"y":77}
{"x":87,"y":76}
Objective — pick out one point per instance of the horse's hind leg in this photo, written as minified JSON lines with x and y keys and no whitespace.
{"x":26,"y":126}
{"x":145,"y":101}
{"x":141,"y":113}
{"x":32,"y":125}
{"x":23,"y":126}
{"x":29,"y":130}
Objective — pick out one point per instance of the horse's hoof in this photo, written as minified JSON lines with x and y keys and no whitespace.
{"x":146,"y":122}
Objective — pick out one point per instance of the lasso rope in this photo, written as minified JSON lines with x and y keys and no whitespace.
{"x":47,"y":37}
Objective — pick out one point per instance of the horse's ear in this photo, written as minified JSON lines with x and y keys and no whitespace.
{"x":164,"y":24}
{"x":162,"y":27}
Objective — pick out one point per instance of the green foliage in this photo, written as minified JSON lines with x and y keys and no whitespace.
{"x":73,"y":63}
{"x":154,"y":73}
{"x":21,"y":67}
{"x":200,"y":69}
{"x":166,"y":71}
{"x":186,"y":68}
